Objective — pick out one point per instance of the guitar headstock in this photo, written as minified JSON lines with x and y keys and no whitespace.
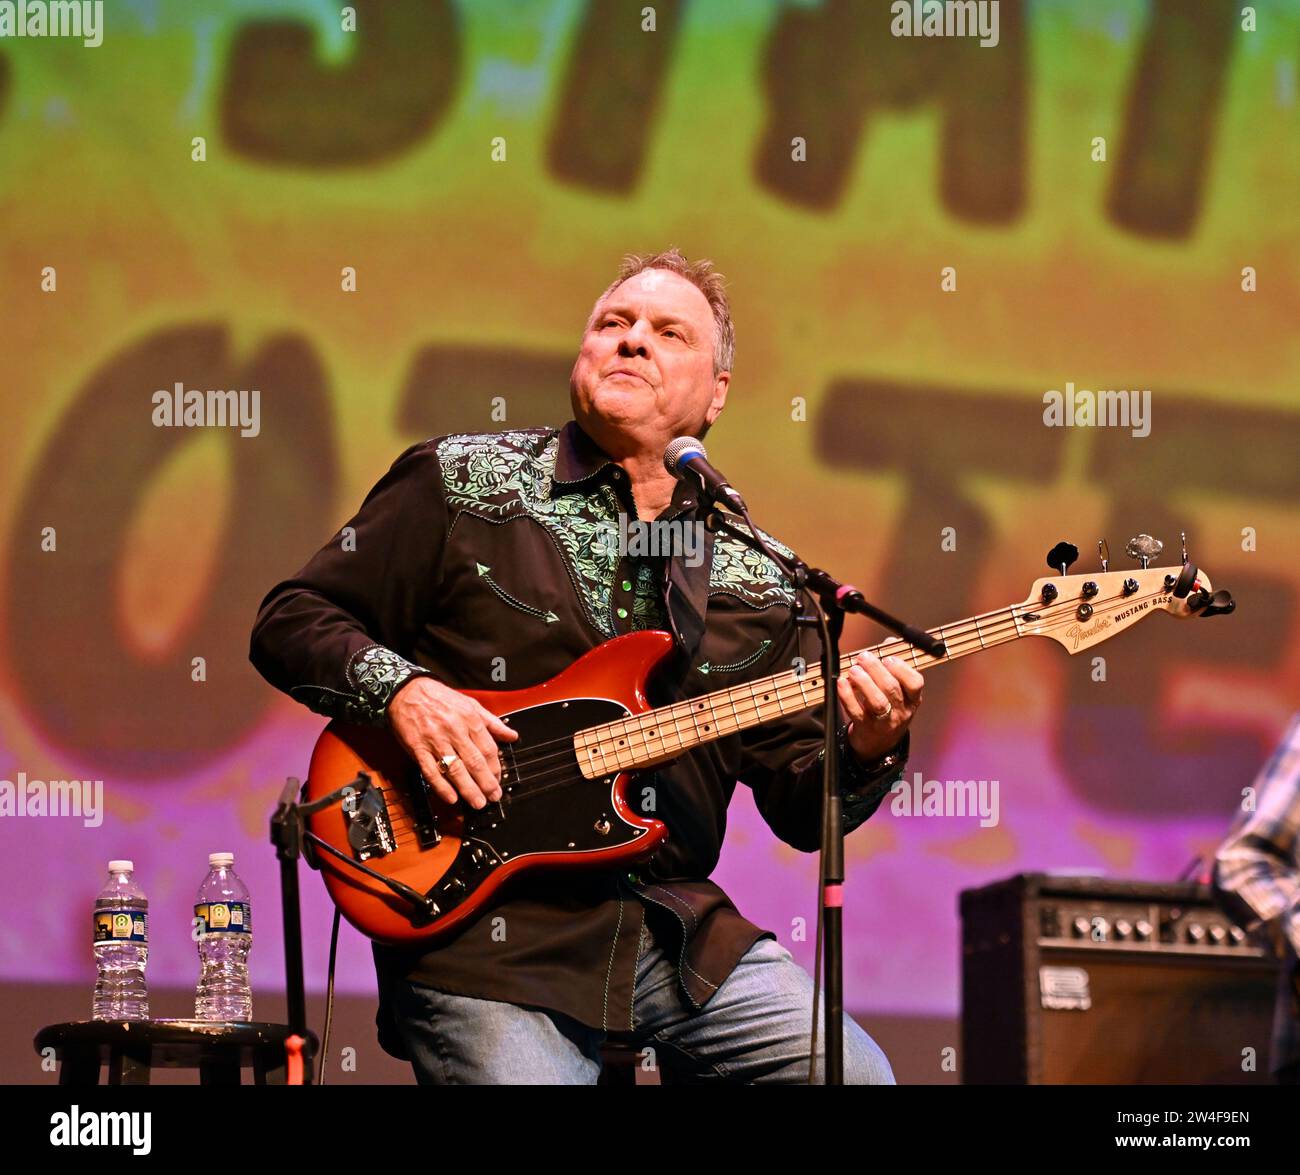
{"x":1080,"y":611}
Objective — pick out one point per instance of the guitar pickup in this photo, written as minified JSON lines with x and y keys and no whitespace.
{"x":422,"y":818}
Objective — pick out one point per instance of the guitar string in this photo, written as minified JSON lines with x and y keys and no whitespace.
{"x":1006,"y":630}
{"x":793,"y":689}
{"x":955,"y":637}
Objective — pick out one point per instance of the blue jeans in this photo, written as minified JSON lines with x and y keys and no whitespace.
{"x":753,"y":1030}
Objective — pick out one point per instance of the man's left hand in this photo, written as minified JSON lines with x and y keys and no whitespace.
{"x":879,"y":700}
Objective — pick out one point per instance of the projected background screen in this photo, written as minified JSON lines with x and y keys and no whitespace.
{"x":922,"y":237}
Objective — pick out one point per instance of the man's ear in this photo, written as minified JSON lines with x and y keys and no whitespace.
{"x":719,"y":401}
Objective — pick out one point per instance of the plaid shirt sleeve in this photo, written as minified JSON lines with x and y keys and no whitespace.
{"x":1257,"y":868}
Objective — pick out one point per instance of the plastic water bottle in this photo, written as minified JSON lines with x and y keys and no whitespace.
{"x":121,"y":947}
{"x":223,"y":919}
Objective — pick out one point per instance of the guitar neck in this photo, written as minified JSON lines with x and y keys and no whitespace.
{"x":656,"y":736}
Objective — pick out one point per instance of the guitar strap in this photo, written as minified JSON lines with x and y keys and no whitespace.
{"x":686,"y":599}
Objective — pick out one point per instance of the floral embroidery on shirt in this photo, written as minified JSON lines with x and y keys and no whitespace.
{"x":496,"y":475}
{"x":747,"y":574}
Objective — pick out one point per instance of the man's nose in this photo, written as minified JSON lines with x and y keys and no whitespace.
{"x":636,"y":340}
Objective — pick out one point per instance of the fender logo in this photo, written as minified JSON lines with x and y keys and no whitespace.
{"x":1080,"y":633}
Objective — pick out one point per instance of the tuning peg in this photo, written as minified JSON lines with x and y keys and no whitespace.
{"x":1220,"y":604}
{"x":1183,"y":584}
{"x":1143,"y":548}
{"x":1104,"y":551}
{"x":1061,"y":556}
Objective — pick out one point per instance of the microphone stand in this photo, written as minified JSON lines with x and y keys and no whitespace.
{"x":831,"y":600}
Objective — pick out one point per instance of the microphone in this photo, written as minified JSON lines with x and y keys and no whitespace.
{"x":686,"y":454}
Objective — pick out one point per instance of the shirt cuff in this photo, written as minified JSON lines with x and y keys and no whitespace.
{"x":374,"y":674}
{"x":857,"y":776}
{"x":864,"y":785}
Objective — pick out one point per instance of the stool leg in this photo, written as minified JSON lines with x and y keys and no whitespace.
{"x":271,"y":1067}
{"x":219,"y":1073}
{"x":80,"y":1070}
{"x":128,"y":1067}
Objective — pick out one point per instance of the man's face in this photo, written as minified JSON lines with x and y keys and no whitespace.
{"x":644,"y":374}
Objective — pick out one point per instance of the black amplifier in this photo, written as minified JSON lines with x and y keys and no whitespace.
{"x":1088,"y":980}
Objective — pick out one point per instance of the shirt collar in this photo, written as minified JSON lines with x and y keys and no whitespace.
{"x":578,"y":458}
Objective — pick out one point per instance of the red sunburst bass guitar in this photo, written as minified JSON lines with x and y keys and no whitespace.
{"x":402,"y":865}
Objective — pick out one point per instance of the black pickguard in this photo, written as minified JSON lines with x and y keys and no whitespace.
{"x":547,"y":806}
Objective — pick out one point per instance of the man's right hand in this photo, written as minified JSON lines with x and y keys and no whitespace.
{"x":431,"y":720}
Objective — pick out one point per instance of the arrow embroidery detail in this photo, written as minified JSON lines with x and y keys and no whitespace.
{"x":705,"y":667}
{"x":549,"y":617}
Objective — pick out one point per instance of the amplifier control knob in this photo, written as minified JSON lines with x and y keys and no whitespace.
{"x":1081,"y":927}
{"x":1195,"y":932}
{"x":1123,"y":928}
{"x":1237,"y":935}
{"x":1218,"y":935}
{"x":1142,"y":928}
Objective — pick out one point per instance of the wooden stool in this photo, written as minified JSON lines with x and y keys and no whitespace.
{"x":131,"y":1048}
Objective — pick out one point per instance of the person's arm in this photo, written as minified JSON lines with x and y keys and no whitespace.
{"x":337,"y":635}
{"x":782,"y":765}
{"x":1257,"y":868}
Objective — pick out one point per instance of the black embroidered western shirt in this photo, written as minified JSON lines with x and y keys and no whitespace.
{"x":492,"y":562}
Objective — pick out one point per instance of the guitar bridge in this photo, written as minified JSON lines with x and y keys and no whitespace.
{"x":370,"y":832}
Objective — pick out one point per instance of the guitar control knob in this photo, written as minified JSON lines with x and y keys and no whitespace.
{"x":1089,"y":590}
{"x":1130,"y":586}
{"x":1049,"y":593}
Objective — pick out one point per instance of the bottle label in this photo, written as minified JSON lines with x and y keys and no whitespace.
{"x":222,"y":918}
{"x":121,"y":926}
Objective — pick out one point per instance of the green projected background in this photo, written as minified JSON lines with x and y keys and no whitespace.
{"x":480,"y":168}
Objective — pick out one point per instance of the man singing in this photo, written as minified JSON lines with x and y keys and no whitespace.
{"x":483,"y":562}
